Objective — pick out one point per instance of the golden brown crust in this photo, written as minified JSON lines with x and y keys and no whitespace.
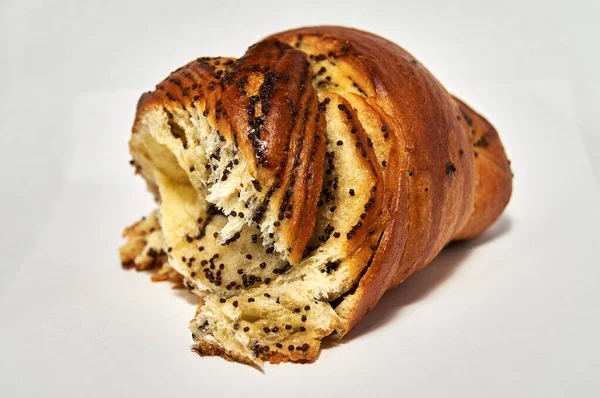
{"x":205,"y":349}
{"x":273,"y":356}
{"x":494,"y":176}
{"x":445,"y":175}
{"x":168,"y":274}
{"x":432,"y":194}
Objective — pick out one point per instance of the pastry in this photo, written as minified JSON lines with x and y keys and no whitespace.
{"x":297,"y":184}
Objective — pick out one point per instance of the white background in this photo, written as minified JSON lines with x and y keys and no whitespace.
{"x":512,"y":314}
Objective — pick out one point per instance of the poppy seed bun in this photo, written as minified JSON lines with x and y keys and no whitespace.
{"x":300,"y":182}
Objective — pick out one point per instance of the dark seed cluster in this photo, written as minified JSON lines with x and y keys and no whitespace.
{"x":363,"y":215}
{"x":357,"y":87}
{"x":450,"y":168}
{"x":482,"y":142}
{"x":384,"y":129}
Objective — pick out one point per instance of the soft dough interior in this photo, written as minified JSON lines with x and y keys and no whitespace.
{"x":256,"y":304}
